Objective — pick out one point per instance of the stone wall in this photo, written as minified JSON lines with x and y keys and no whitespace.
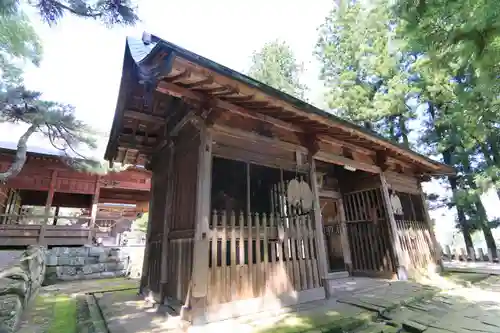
{"x":92,"y":262}
{"x":86,"y":262}
{"x":19,"y":285}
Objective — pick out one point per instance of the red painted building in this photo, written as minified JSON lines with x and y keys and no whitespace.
{"x":47,"y":181}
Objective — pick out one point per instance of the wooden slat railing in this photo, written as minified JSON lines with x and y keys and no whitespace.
{"x":258,"y":255}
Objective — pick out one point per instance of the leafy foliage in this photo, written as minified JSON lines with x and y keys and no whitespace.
{"x":141,"y":223}
{"x":276,"y":65}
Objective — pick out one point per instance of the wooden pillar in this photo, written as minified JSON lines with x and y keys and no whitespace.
{"x":400,"y":258}
{"x":346,"y":249}
{"x":48,"y":205}
{"x":199,"y":279}
{"x":93,"y":208}
{"x":169,"y":179}
{"x":437,"y":247}
{"x":145,"y":263}
{"x":318,"y":224}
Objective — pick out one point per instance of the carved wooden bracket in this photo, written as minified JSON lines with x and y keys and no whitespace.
{"x":311,"y":142}
{"x":381,"y":160}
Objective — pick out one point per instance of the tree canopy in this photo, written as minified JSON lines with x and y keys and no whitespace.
{"x":20,"y":44}
{"x":275,"y":65}
{"x":424,"y":74}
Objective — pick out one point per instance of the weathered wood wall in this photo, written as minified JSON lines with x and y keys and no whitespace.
{"x":181,"y":219}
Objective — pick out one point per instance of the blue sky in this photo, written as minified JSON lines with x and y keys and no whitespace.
{"x":83,"y":60}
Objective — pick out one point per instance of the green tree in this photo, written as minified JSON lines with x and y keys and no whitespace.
{"x":19,"y":44}
{"x":141,"y":223}
{"x":275,"y":65}
{"x":378,"y":77}
{"x":460,"y":39}
{"x":361,"y":66}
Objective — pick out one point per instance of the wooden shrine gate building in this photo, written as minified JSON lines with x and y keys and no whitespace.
{"x":46,"y":181}
{"x":259,"y":198}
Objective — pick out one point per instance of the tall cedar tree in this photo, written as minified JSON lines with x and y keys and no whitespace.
{"x":275,"y":65}
{"x":364,"y":70}
{"x":19,"y":42}
{"x":462,"y":38}
{"x":376,"y":78}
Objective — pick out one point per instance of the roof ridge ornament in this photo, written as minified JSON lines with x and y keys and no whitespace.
{"x":148,"y":38}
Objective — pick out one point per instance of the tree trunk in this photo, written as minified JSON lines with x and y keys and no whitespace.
{"x":481,"y":211}
{"x":495,"y":154}
{"x":20,"y":159}
{"x":403,"y":131}
{"x":462,"y":219}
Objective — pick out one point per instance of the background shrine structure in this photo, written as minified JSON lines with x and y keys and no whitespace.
{"x":224,"y":240}
{"x":30,"y":203}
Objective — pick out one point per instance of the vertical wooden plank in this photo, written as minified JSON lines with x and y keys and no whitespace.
{"x":224,"y":279}
{"x":314,"y":252}
{"x":266,"y":268}
{"x":318,"y":224}
{"x":284,"y":278}
{"x":250,"y":273}
{"x":214,"y":239}
{"x":233,"y":274}
{"x":242,"y":276}
{"x":273,"y":271}
{"x":301,"y":235}
{"x":258,"y":252}
{"x":287,"y":239}
{"x":400,"y":261}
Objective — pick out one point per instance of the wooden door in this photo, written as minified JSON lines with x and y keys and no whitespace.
{"x":332,"y":228}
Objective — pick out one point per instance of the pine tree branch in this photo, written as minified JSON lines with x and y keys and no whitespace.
{"x":76,"y":12}
{"x":21,"y":155}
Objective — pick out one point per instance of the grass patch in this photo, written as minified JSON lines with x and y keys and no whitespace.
{"x":64,"y":315}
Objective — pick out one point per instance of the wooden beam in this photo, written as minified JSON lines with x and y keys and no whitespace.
{"x":327,"y":139}
{"x":177,"y":91}
{"x":257,"y":138}
{"x":340,"y":160}
{"x":143,"y":116}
